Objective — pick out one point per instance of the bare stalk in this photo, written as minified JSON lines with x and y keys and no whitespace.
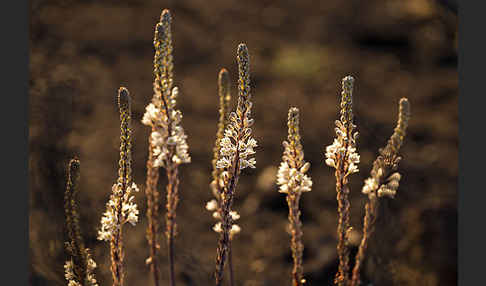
{"x":172,"y":200}
{"x":152,"y":214}
{"x":230,"y":265}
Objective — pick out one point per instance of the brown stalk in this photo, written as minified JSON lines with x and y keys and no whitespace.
{"x":152,"y":214}
{"x":371,"y":209}
{"x":172,"y":200}
{"x":227,"y":222}
{"x":296,"y":241}
{"x":343,"y":226}
{"x":230,"y":264}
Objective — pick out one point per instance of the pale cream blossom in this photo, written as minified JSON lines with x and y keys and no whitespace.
{"x":160,"y":115}
{"x":293,"y":179}
{"x":212,"y":205}
{"x":129,"y":211}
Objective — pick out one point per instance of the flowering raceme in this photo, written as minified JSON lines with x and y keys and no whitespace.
{"x":291,"y":178}
{"x":164,"y":122}
{"x":129,"y":212}
{"x":230,"y":143}
{"x":71,"y":277}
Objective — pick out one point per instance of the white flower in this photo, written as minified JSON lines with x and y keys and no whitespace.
{"x":235,"y":229}
{"x":91,"y":264}
{"x":69,"y":270}
{"x":247,"y":163}
{"x":73,"y":283}
{"x":152,"y":114}
{"x":306,"y":183}
{"x":130,"y":211}
{"x":305,"y":168}
{"x":212,"y":205}
{"x":223,"y":163}
{"x":217,"y":227}
{"x":216,"y":215}
{"x":234,"y":215}
{"x":369,"y":186}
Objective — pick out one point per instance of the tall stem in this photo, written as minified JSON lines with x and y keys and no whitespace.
{"x":172,"y":200}
{"x":368,"y":226}
{"x":152,"y":214}
{"x":230,"y":264}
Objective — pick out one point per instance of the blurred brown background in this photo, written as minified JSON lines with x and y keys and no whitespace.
{"x":82,"y":51}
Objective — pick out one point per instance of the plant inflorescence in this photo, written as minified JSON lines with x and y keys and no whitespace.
{"x":234,"y":151}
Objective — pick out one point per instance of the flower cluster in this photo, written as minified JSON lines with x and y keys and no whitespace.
{"x":293,"y":179}
{"x":167,"y":131}
{"x":383,"y":180}
{"x":129,"y":211}
{"x":237,"y":141}
{"x":341,"y":154}
{"x":213,"y":206}
{"x":230,"y":144}
{"x":338,"y":150}
{"x":291,"y":174}
{"x":388,"y":189}
{"x":70,"y":275}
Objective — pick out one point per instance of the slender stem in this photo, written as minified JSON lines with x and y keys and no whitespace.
{"x":224,"y":239}
{"x":172,"y":199}
{"x":230,"y":264}
{"x":152,"y":213}
{"x":368,"y":226}
{"x":342,"y":277}
{"x":171,"y":259}
{"x":117,"y":259}
{"x":296,"y":238}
